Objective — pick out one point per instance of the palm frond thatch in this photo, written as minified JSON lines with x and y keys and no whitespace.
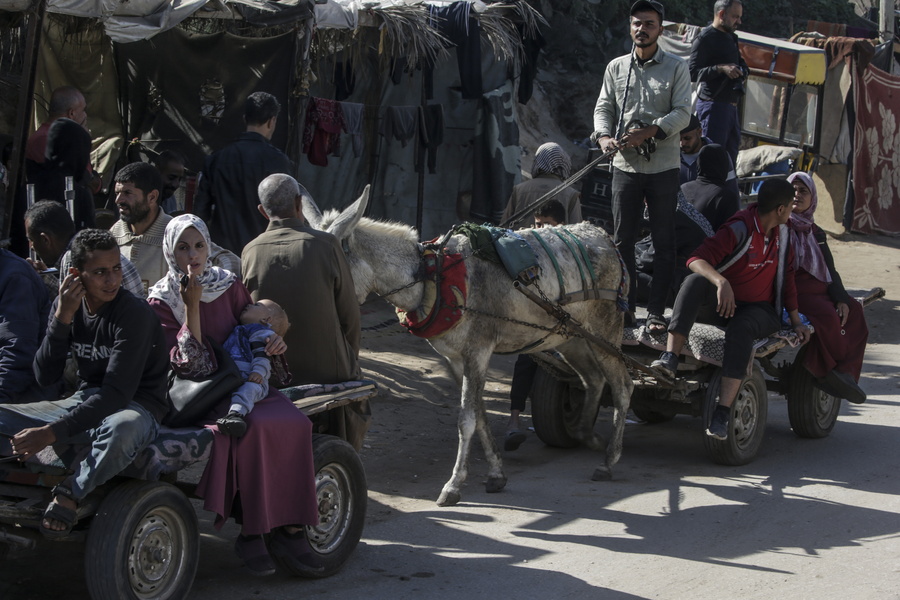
{"x":407,"y":31}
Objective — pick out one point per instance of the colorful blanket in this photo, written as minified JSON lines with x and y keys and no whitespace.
{"x":876,"y":162}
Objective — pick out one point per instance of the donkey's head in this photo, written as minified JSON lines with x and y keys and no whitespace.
{"x":382,"y":256}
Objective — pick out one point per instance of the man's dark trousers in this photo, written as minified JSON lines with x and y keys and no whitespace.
{"x":660,"y":191}
{"x":696,"y":301}
{"x":721,"y":124}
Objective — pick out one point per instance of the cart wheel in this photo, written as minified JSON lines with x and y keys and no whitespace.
{"x":748,"y":419}
{"x":143,"y":543}
{"x":811,"y":411}
{"x":556,"y":410}
{"x":342,"y":494}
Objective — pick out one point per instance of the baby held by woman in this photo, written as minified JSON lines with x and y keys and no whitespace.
{"x":247,"y":347}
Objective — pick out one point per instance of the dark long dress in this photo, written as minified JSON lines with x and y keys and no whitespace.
{"x":832,"y":346}
{"x":271,"y":467}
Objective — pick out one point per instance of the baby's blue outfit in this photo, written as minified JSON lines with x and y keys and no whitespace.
{"x":247,"y":347}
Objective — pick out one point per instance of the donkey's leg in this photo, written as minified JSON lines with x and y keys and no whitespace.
{"x":622,"y":386}
{"x":470,"y":413}
{"x":496,"y":480}
{"x":578,"y":354}
{"x":596,"y":368}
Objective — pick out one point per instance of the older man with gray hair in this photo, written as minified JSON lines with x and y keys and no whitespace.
{"x":304,"y":270}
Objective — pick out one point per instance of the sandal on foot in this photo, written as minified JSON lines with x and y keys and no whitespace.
{"x":293,"y":550}
{"x":513,"y":440}
{"x":252,"y":550}
{"x":656,"y":324}
{"x":62,"y":514}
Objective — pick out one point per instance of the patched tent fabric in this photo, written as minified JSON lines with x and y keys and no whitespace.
{"x":876,"y":163}
{"x":196,"y":106}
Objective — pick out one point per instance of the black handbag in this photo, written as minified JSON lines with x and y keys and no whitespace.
{"x":190,"y":400}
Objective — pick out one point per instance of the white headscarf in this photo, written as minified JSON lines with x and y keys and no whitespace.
{"x":214,"y":280}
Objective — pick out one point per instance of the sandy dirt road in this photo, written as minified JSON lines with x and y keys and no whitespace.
{"x":808,"y":518}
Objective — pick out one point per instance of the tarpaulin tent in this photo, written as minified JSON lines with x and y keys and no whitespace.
{"x":149,"y":67}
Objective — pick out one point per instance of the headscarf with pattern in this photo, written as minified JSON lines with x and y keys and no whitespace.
{"x":550,"y":158}
{"x":214,"y":280}
{"x":806,"y":248}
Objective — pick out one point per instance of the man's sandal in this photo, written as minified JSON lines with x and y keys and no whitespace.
{"x":656,"y":324}
{"x":57,"y":512}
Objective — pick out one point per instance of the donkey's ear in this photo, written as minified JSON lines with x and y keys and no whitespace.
{"x":311,"y":211}
{"x":347,"y":220}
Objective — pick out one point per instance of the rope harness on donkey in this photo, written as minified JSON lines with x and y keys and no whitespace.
{"x":444,"y":276}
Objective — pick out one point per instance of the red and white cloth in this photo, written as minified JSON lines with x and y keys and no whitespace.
{"x":876,"y":162}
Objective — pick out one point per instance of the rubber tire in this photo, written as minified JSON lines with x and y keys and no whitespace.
{"x":142,"y":526}
{"x":340,"y":472}
{"x":750,"y":410}
{"x":811,"y":411}
{"x":556,"y":410}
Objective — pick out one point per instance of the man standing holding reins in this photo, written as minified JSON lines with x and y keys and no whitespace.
{"x":645,"y":101}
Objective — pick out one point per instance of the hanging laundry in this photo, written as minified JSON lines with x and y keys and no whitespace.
{"x":532,"y":46}
{"x":322,"y":130}
{"x":456,"y":24}
{"x":400,"y":123}
{"x":353,"y":125}
{"x":344,"y":80}
{"x":431,"y":135}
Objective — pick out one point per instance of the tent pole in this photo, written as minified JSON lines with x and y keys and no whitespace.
{"x":886,"y":20}
{"x":420,"y":161}
{"x":23,"y":111}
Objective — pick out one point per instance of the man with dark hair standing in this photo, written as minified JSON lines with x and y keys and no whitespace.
{"x":645,"y":100}
{"x":741,"y":278}
{"x":226,"y":193}
{"x":120,"y":350}
{"x":716,"y":63}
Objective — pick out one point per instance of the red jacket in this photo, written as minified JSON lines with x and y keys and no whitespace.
{"x":754,"y":267}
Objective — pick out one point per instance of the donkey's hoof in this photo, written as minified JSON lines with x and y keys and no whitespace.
{"x":448,"y":498}
{"x":495,"y":484}
{"x":602,"y":474}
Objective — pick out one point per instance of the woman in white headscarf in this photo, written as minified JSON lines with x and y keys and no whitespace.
{"x":835,"y":353}
{"x":270,"y":469}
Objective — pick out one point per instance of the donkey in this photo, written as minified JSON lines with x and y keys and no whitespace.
{"x":385,"y":258}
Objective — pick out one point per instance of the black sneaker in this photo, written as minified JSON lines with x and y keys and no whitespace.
{"x":232,"y":424}
{"x":667,"y":363}
{"x":718,"y":425}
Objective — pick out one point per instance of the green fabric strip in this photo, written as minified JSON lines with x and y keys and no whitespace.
{"x":574,"y":256}
{"x":562,"y":286}
{"x":584,"y":256}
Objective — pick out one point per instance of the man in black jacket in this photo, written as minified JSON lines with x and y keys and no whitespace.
{"x":120,"y":350}
{"x":717,"y":64}
{"x":226,"y":193}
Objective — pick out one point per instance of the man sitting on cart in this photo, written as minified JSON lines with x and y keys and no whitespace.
{"x":119,"y":346}
{"x":742,"y":277}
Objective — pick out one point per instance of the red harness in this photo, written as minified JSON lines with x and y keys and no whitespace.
{"x":444,"y":298}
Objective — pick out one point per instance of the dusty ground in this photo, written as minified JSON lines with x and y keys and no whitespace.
{"x":808,"y":518}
